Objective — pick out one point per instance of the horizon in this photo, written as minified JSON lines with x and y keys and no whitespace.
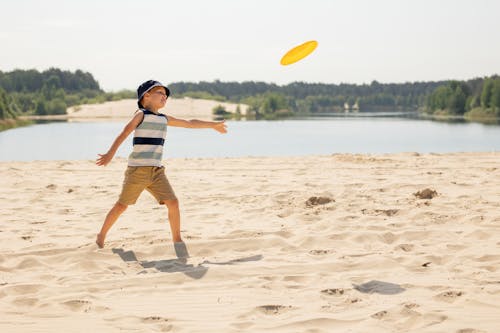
{"x":494,"y":75}
{"x":391,"y":42}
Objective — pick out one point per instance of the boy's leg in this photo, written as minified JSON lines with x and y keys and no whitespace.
{"x":163,"y":192}
{"x":111,"y":218}
{"x":174,"y":217}
{"x":133,"y":184}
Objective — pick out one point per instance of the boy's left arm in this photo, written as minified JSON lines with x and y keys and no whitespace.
{"x":219,"y":126}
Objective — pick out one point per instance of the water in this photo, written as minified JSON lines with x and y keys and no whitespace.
{"x":76,"y":140}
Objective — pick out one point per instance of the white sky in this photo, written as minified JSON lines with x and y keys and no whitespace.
{"x":125,"y":42}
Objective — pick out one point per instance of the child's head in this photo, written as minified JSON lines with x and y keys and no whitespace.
{"x":152,"y":94}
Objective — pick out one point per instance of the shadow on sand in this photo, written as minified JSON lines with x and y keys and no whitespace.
{"x":180,"y":263}
{"x":380,"y":287}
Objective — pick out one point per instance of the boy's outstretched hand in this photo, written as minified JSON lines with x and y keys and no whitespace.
{"x":220,"y":126}
{"x":104,"y":159}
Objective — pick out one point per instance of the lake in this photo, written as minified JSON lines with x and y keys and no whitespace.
{"x":326,"y":135}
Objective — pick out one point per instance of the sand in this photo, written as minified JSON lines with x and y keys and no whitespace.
{"x":336,"y":243}
{"x":177,"y":107}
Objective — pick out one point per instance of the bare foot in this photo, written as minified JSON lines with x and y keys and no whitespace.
{"x":99,"y":241}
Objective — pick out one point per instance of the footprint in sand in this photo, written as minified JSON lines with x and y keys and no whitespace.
{"x":405,"y":247}
{"x":333,"y":292}
{"x":273,"y":309}
{"x":470,"y":330}
{"x":161,"y":324}
{"x":488,"y":257}
{"x":315,"y":201}
{"x":426,"y":194}
{"x":353,"y":300}
{"x":25,"y":302}
{"x":153,"y":319}
{"x":449,"y":296}
{"x":387,"y":212}
{"x":407,"y":311}
{"x":380,"y":315}
{"x":78,"y":305}
{"x":388,"y":238}
{"x":411,"y":305}
{"x":319,"y":252}
{"x":25,"y":289}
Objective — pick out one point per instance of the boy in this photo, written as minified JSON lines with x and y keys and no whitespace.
{"x":144,"y":169}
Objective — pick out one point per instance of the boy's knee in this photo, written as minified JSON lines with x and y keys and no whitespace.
{"x":121,"y":207}
{"x":172,"y":203}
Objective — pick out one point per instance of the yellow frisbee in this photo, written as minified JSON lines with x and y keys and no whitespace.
{"x":299,"y":52}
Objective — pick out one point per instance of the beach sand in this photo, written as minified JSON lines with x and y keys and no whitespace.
{"x":336,"y":243}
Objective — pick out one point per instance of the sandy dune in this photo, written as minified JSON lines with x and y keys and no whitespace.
{"x":335,"y":243}
{"x":176,"y":107}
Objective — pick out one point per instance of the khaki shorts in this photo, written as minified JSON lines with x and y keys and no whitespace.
{"x":152,"y":179}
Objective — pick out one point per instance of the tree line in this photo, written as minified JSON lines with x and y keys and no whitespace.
{"x":50,"y":92}
{"x":306,"y":98}
{"x":475,"y":97}
{"x":479,"y":96}
{"x":53,"y":91}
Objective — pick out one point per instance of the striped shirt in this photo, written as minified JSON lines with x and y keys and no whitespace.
{"x":149,"y":138}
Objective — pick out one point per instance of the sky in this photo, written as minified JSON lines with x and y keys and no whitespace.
{"x":125,"y":42}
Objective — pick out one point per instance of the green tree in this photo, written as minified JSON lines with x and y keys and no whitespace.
{"x":495,"y":94}
{"x":8,"y":107}
{"x":456,"y":101}
{"x":439,"y":97}
{"x":273,"y":103}
{"x":41,"y":108}
{"x":3,"y":104}
{"x":473,"y":102}
{"x":219,"y":110}
{"x":486,"y":93}
{"x":56,"y":106}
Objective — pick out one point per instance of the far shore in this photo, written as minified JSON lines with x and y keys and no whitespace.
{"x":176,"y":107}
{"x":189,"y":108}
{"x":124,"y":109}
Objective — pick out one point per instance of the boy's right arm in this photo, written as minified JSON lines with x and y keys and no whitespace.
{"x":104,"y":159}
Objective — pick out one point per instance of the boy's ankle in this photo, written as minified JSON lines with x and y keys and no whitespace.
{"x":100,"y":240}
